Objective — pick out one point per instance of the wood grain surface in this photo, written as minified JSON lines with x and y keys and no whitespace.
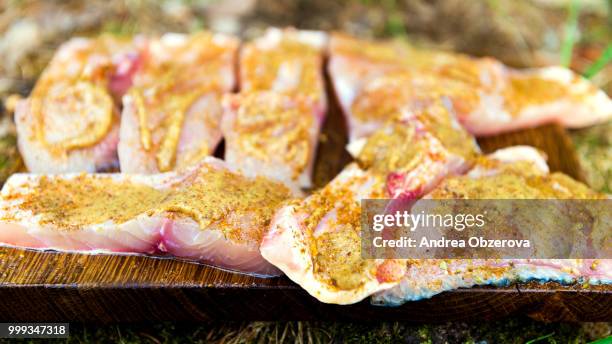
{"x":52,"y":286}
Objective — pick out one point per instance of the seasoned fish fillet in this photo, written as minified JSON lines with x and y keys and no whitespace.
{"x":316,"y":242}
{"x":70,"y":121}
{"x":426,"y":278}
{"x":528,"y":98}
{"x":273,"y":135}
{"x":511,"y":173}
{"x":489,"y":97}
{"x":206,"y":213}
{"x":172,"y":113}
{"x":286,"y":61}
{"x":272,"y":127}
{"x":414,"y":148}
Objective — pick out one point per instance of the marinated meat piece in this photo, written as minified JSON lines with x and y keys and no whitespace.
{"x":489,"y":98}
{"x":286,"y":61}
{"x":415,"y":149}
{"x":172,"y":113}
{"x":512,"y":173}
{"x":70,"y":122}
{"x":273,"y":135}
{"x":272,"y":127}
{"x":316,"y":242}
{"x":206,"y":213}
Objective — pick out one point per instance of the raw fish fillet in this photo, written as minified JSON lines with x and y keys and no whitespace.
{"x":316,"y":242}
{"x":171,"y":115}
{"x":205,"y":213}
{"x":497,"y":177}
{"x":272,"y":126}
{"x":533,"y":97}
{"x":489,"y":98}
{"x":70,"y":121}
{"x":414,"y":148}
{"x":286,"y":61}
{"x":273,"y":135}
{"x":426,"y":278}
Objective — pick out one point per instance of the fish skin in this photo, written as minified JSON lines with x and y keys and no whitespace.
{"x":426,"y":278}
{"x":147,"y":233}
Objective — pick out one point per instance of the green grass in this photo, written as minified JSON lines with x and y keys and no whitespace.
{"x":571,"y":31}
{"x":599,"y":64}
{"x":541,"y":338}
{"x":511,"y":331}
{"x":606,"y":340}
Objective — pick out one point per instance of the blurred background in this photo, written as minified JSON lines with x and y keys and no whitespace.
{"x":521,"y":33}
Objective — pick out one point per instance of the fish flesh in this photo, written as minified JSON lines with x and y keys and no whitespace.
{"x":206,"y":213}
{"x":172,"y":113}
{"x":511,"y":173}
{"x":316,"y":241}
{"x":414,"y":148}
{"x":272,"y":126}
{"x":70,"y":122}
{"x":426,"y":278}
{"x":359,"y":69}
{"x":273,"y":135}
{"x":286,"y":61}
{"x":529,"y":98}
{"x":489,"y":97}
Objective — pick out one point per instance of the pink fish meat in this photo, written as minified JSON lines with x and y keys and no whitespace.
{"x":70,"y":122}
{"x":506,"y":167}
{"x":489,"y":98}
{"x":172,"y":113}
{"x":202,"y":213}
{"x":272,"y":126}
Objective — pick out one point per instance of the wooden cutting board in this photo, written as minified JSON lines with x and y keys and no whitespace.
{"x":51,"y":286}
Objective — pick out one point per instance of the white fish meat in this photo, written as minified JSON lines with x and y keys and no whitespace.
{"x":511,"y":173}
{"x":70,"y":122}
{"x":206,"y":213}
{"x":273,"y":135}
{"x":272,"y":126}
{"x":172,"y":113}
{"x":317,"y":244}
{"x":414,"y":148}
{"x":286,"y":61}
{"x":489,"y":98}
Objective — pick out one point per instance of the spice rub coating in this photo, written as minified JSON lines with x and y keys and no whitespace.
{"x":206,"y":213}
